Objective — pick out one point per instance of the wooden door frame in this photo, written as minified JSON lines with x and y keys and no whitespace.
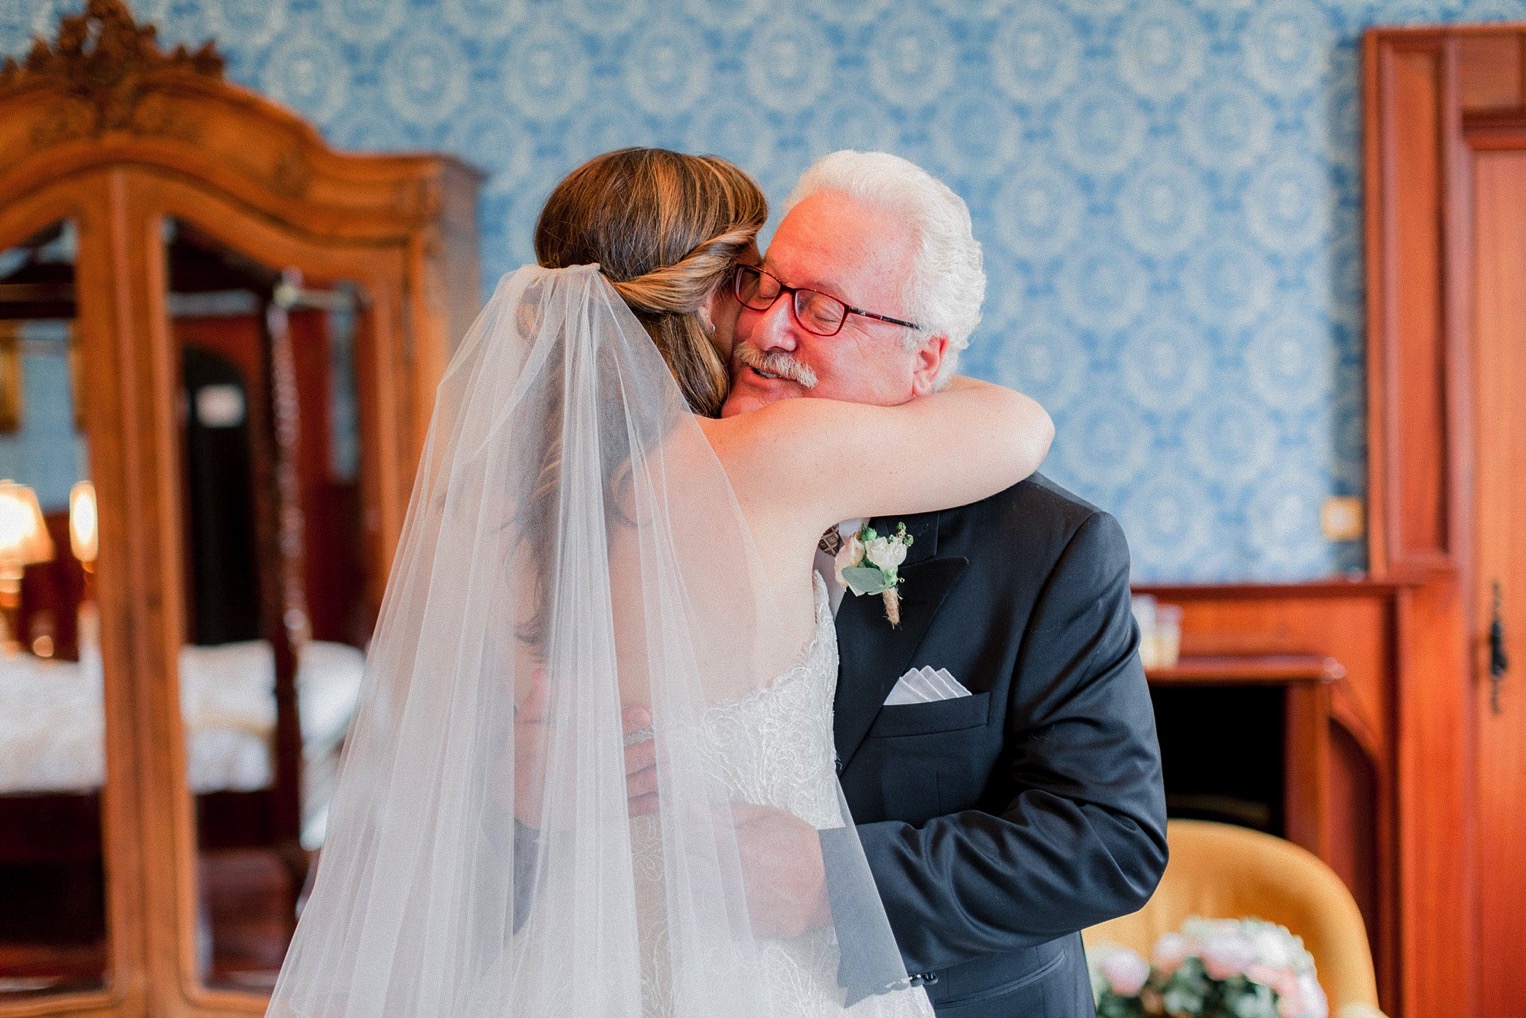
{"x":1432,"y":96}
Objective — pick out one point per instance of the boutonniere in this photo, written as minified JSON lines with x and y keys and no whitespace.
{"x":867,"y":563}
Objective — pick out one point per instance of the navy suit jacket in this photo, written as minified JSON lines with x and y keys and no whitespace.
{"x":999,"y":825}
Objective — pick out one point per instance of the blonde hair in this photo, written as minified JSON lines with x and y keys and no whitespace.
{"x":666,"y":229}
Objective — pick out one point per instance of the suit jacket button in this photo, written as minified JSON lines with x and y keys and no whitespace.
{"x":930,"y":978}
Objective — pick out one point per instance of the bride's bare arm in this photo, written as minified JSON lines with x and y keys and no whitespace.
{"x":830,"y":460}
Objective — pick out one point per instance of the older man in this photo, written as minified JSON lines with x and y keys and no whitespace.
{"x":1000,"y":823}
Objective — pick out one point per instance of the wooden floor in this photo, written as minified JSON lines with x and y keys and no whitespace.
{"x":252,"y":907}
{"x":247,"y":913}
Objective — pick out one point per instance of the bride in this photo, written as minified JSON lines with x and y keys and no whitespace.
{"x":586,"y":544}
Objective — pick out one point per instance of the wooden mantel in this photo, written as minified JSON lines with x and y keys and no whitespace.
{"x":1249,"y":669}
{"x":1331,"y":646}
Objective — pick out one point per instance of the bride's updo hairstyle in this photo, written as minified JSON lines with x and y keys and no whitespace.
{"x":666,"y":229}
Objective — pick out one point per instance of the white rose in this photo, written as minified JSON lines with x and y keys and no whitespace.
{"x":1271,"y":947}
{"x":1312,"y":997}
{"x":885,"y":553}
{"x":849,"y":555}
{"x":1226,"y":956}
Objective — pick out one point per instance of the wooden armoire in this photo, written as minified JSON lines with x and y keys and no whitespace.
{"x":187,"y":251}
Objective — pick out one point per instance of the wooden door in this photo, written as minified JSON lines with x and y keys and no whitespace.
{"x":1499,"y":574}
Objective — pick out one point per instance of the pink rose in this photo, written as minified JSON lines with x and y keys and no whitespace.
{"x":1225,"y":957}
{"x":1124,"y":971}
{"x":1171,"y":950}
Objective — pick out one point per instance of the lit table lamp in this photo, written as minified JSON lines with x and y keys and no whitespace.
{"x":23,"y":540}
{"x":84,"y":532}
{"x":84,"y":542}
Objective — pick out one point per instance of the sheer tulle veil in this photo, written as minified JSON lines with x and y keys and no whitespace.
{"x":572,"y":541}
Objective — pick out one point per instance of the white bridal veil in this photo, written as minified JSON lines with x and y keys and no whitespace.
{"x":572,"y":546}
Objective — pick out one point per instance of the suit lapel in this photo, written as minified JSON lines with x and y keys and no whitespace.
{"x":872,"y":653}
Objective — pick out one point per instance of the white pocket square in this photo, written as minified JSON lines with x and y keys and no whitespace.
{"x":925,"y":685}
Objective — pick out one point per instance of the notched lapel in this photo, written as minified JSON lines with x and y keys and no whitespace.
{"x":874,"y":654}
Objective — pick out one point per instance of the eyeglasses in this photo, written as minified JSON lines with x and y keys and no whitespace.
{"x":818,"y":313}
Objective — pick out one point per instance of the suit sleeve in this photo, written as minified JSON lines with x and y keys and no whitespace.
{"x":1081,"y":837}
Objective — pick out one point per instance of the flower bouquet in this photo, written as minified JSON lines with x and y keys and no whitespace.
{"x":1211,"y":968}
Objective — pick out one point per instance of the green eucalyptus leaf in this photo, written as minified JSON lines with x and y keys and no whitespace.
{"x":866,"y":580}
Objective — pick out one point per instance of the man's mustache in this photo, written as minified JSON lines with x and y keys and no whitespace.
{"x":775,"y":362}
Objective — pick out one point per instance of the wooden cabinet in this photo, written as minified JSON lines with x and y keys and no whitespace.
{"x":222,"y":281}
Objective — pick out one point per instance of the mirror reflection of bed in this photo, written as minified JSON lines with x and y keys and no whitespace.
{"x":276,"y":617}
{"x":53,"y":927}
{"x":276,"y":612}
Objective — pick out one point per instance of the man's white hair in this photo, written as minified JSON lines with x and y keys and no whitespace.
{"x":946,"y":284}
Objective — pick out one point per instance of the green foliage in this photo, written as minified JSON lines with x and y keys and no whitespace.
{"x":867,"y":579}
{"x":1110,"y":1005}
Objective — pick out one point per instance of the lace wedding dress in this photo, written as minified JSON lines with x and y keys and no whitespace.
{"x":482,"y":859}
{"x":774,"y":747}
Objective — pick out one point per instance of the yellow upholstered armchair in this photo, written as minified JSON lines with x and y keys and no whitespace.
{"x":1220,"y":871}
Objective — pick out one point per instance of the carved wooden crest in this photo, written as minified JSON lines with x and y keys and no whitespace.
{"x":108,"y":61}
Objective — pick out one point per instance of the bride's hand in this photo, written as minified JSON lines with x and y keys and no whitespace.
{"x":783,"y":871}
{"x":640,"y":760}
{"x":531,"y":718}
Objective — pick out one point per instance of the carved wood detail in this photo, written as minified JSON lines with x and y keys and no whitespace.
{"x":108,"y":62}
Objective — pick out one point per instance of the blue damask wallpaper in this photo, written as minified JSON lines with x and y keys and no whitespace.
{"x":1169,"y":192}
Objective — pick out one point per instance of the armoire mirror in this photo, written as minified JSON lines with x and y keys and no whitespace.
{"x":277,"y":612}
{"x":244,"y":330}
{"x":53,"y":932}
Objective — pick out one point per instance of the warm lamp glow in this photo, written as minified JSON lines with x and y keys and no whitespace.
{"x":23,"y":540}
{"x":84,"y":534}
{"x":23,"y":534}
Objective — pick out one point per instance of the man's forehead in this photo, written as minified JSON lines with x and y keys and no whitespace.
{"x":829,"y":235}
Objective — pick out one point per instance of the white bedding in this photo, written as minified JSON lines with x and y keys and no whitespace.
{"x":51,"y":717}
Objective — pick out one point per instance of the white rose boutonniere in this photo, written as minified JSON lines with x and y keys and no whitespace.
{"x":868,"y":562}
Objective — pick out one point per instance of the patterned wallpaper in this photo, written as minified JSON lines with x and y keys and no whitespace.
{"x":1169,"y":192}
{"x":45,"y":452}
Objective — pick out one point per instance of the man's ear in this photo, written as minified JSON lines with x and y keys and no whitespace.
{"x":929,"y":355}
